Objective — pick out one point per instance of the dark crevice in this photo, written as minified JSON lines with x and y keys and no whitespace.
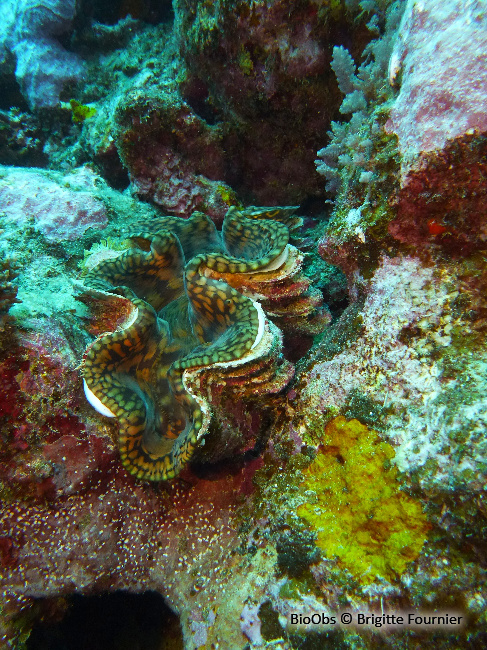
{"x":296,"y":346}
{"x":110,"y":167}
{"x":111,"y":12}
{"x":196,"y":93}
{"x":118,"y":621}
{"x":11,"y":95}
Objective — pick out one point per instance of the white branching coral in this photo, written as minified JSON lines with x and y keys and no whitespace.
{"x":348,"y":156}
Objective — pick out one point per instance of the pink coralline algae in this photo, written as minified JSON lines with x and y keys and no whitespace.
{"x":440,"y":49}
{"x":47,"y":448}
{"x":442,"y":197}
{"x":173,"y":157}
{"x":174,"y":185}
{"x":60,"y":208}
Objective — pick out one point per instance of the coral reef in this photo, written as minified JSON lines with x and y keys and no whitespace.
{"x":46,"y":446}
{"x":179,"y":107}
{"x":176,"y":542}
{"x":354,"y":151}
{"x":257,"y":68}
{"x":256,"y":459}
{"x":412,"y":169}
{"x":401,"y":356}
{"x":432,"y":214}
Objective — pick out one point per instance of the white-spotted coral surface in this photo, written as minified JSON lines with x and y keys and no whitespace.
{"x":406,"y":362}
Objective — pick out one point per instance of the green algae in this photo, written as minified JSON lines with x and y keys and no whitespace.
{"x":81,"y":112}
{"x":361,"y":516}
{"x":294,"y":589}
{"x":245,"y":62}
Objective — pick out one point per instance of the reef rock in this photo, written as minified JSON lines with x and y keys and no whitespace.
{"x":442,"y":192}
{"x":174,"y":158}
{"x":443,"y":77}
{"x":259,"y":67}
{"x":60,"y":208}
{"x":411,"y":238}
{"x":432,"y":190}
{"x":199,"y":112}
{"x":416,"y":348}
{"x":29,"y":32}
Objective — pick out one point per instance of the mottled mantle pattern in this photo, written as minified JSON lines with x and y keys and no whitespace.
{"x":181,"y":318}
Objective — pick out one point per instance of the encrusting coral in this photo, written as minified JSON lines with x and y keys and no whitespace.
{"x":359,"y":513}
{"x":8,"y":288}
{"x":178,"y":321}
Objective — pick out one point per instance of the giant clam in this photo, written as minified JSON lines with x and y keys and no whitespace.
{"x":187,"y":303}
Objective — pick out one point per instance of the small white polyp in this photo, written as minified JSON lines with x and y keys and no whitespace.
{"x":95,"y":402}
